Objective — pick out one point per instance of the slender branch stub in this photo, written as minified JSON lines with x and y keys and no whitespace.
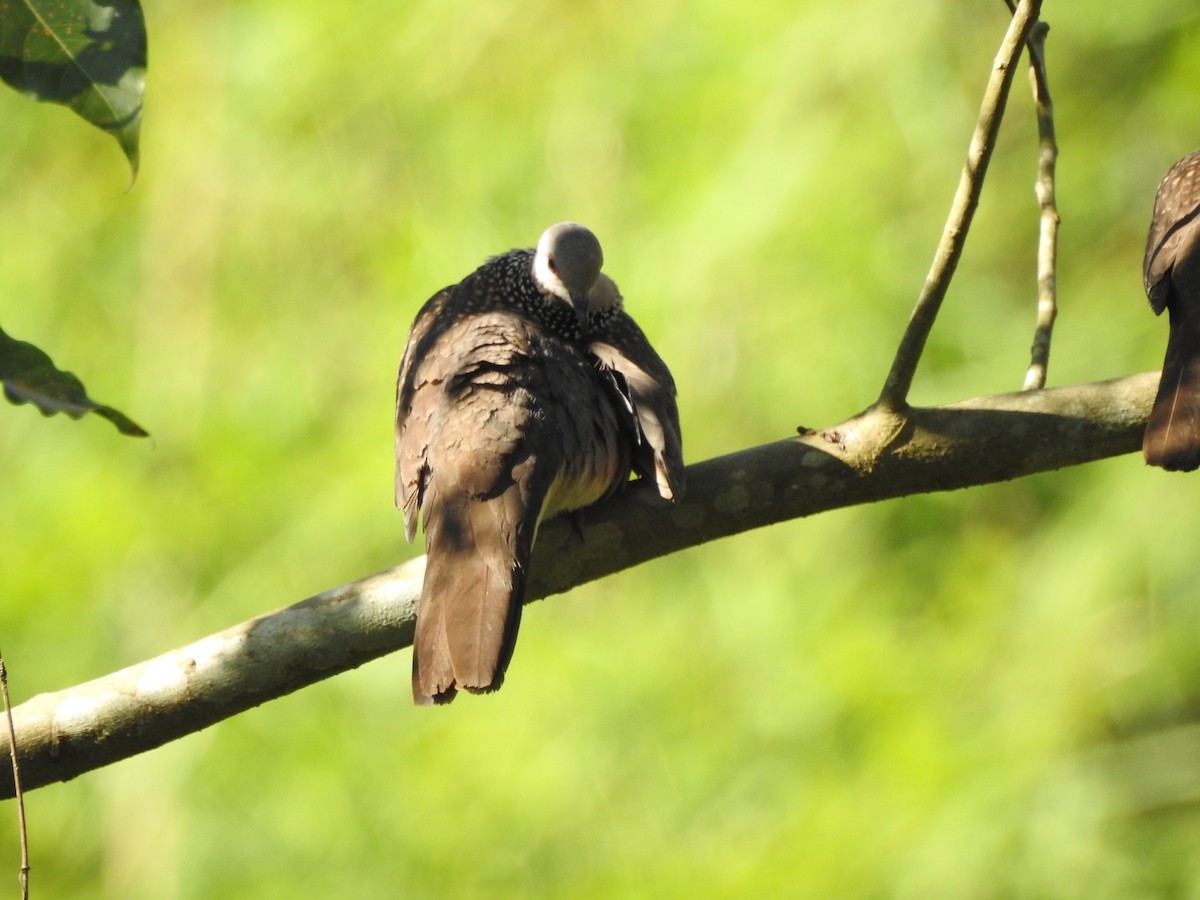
{"x":1047,"y":257}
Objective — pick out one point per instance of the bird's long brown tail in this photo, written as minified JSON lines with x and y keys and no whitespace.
{"x":471,"y":599}
{"x":1172,"y":438}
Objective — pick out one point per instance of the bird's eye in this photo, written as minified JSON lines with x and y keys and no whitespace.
{"x":552,"y":264}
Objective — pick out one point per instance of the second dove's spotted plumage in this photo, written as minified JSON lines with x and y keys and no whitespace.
{"x":1171,"y":273}
{"x":525,"y":391}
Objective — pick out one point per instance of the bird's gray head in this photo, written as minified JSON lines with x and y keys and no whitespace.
{"x":567,"y":264}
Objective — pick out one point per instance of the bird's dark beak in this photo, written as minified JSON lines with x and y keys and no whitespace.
{"x":580,"y":302}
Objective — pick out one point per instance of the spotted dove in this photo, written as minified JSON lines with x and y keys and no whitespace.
{"x":525,"y":391}
{"x":1172,"y":278}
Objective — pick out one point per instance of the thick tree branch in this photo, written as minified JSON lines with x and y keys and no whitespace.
{"x":962,"y":210}
{"x":877,"y":455}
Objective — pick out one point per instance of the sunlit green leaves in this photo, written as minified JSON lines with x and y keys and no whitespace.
{"x":30,"y":376}
{"x":89,"y":56}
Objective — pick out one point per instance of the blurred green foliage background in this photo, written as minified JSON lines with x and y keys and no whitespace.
{"x":977,"y":694}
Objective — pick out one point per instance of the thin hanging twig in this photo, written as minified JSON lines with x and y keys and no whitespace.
{"x":1047,"y":277}
{"x":23,"y":875}
{"x":895,"y":389}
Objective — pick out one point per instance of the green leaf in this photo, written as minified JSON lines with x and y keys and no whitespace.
{"x":30,"y":376}
{"x":89,"y":56}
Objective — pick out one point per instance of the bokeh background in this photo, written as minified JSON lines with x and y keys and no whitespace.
{"x":986,"y":693}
